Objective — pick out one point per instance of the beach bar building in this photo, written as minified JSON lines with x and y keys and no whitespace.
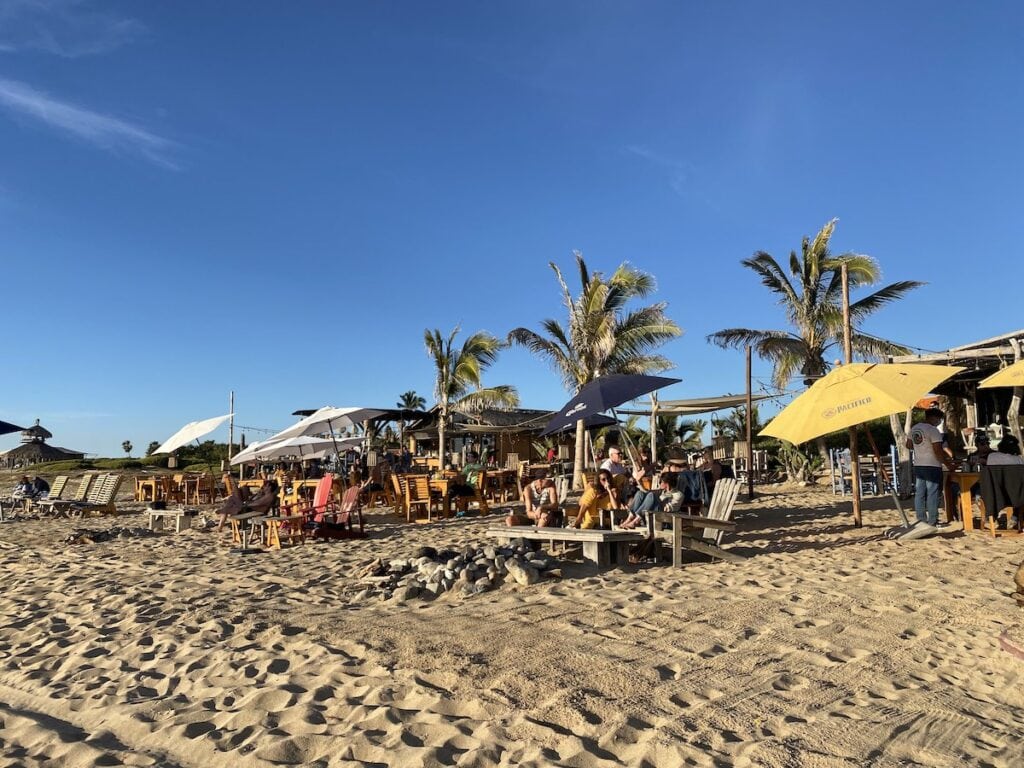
{"x":35,"y":450}
{"x":997,"y":409}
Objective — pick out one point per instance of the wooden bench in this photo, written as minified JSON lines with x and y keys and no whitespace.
{"x":602,"y":548}
{"x":182,"y":518}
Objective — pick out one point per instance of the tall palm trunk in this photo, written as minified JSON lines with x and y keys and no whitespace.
{"x":899,"y":434}
{"x":441,"y":464}
{"x":581,"y":455}
{"x":822,"y":451}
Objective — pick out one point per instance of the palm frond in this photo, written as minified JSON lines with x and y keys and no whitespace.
{"x":861,"y":308}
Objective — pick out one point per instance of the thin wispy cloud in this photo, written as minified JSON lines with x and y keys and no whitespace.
{"x":68,"y":28}
{"x":104,"y":131}
{"x":678,"y":173}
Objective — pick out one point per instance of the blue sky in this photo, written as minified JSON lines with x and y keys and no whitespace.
{"x":278,"y":199}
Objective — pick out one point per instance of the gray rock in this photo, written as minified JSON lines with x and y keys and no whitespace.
{"x":540,"y":564}
{"x":399,"y":565}
{"x":449,"y":573}
{"x":499,"y":563}
{"x":447,"y":583}
{"x":492,"y":573}
{"x":432,"y":589}
{"x":428,"y":552}
{"x":490,"y":553}
{"x":466,"y":575}
{"x":483,"y":584}
{"x":406,"y":593}
{"x":521,"y":574}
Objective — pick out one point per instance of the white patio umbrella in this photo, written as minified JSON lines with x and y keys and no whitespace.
{"x":191,"y":431}
{"x":328,"y":419}
{"x":303,"y":447}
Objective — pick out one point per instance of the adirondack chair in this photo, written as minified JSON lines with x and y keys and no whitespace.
{"x":297,"y":520}
{"x":708,"y":540}
{"x":101,"y":499}
{"x":343,"y":526}
{"x":60,"y":506}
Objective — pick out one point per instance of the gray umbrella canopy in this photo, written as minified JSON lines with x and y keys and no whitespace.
{"x":6,"y":428}
{"x":603,"y":394}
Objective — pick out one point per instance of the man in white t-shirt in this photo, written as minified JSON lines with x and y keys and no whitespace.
{"x":926,"y":442}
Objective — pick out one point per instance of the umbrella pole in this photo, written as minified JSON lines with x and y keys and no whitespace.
{"x":885,"y":476}
{"x":848,"y":349}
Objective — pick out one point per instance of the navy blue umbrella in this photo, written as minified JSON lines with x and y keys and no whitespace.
{"x":6,"y":428}
{"x":603,"y":394}
{"x":593,"y":421}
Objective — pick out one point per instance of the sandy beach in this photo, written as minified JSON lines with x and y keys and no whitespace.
{"x":829,"y":646}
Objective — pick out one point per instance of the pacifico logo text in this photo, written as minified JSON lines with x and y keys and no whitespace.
{"x":829,"y":413}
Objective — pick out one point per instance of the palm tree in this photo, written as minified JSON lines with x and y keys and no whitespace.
{"x":602,"y":336}
{"x":459,"y":370}
{"x":812,"y":301}
{"x":735,"y":424}
{"x":409,"y":401}
{"x":691,"y":433}
{"x":126,"y":446}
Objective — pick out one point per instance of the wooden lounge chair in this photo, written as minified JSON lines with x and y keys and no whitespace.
{"x":60,"y":484}
{"x":60,"y":506}
{"x":101,"y":499}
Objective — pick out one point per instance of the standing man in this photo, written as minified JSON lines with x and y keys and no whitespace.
{"x":926,"y":442}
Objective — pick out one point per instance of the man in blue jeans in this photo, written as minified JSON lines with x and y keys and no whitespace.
{"x":926,"y":442}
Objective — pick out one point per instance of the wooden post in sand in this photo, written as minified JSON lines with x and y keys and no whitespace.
{"x":848,"y":352}
{"x":750,"y":436}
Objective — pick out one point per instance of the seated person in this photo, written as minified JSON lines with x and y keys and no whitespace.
{"x":40,"y":488}
{"x":375,"y":482}
{"x":541,"y":504}
{"x":241,"y":501}
{"x":600,"y":494}
{"x":667,"y":498}
{"x":713,"y":470}
{"x":23,"y":490}
{"x":1007,"y":452}
{"x":464,"y":484}
{"x":614,"y":463}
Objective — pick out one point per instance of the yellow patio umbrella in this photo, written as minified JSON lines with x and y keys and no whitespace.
{"x":1010,"y":376}
{"x":852,"y":394}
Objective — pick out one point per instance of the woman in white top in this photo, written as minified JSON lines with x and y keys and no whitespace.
{"x":1006,"y":453}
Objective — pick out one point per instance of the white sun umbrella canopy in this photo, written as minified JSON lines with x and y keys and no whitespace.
{"x":191,"y":431}
{"x":302,"y":447}
{"x":252,"y":452}
{"x":328,"y":419}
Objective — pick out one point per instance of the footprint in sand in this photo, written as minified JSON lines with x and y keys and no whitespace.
{"x":846,"y":655}
{"x":790,"y":682}
{"x":668,"y":672}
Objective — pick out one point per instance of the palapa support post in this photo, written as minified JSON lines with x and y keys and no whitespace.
{"x":848,"y":353}
{"x":750,"y":429}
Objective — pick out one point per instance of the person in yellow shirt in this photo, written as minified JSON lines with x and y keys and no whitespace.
{"x":601,"y":494}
